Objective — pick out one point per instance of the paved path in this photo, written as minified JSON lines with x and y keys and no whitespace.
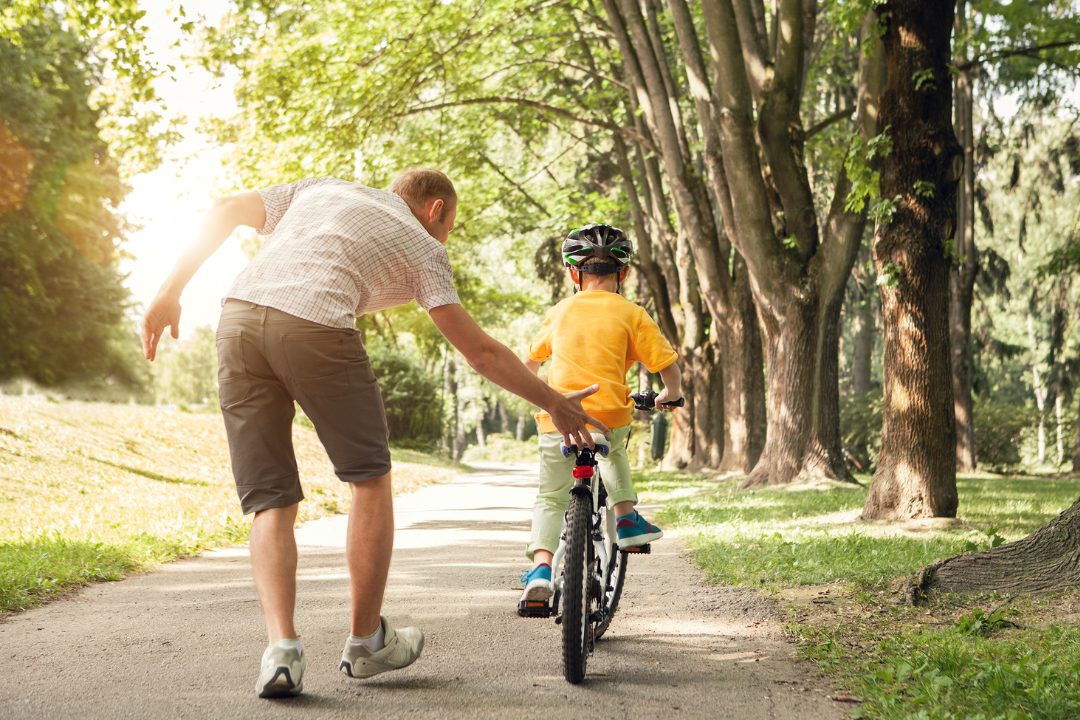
{"x":185,"y":642}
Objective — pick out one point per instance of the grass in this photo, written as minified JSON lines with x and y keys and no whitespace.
{"x":841,"y":582}
{"x":807,"y":535}
{"x":91,"y":491}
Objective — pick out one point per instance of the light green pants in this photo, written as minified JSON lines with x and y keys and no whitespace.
{"x":556,"y":477}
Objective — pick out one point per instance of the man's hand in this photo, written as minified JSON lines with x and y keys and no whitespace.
{"x":498,"y":364}
{"x":662,"y":397}
{"x":164,"y":311}
{"x":570,"y":419}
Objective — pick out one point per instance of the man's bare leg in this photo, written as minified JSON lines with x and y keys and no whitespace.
{"x":368,"y":547}
{"x":273,"y":564}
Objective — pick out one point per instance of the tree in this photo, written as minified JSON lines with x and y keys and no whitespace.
{"x":797,"y":271}
{"x":1023,"y":48}
{"x":916,"y":472}
{"x":62,"y":303}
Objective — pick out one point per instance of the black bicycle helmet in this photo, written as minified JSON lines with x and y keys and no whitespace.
{"x":600,"y":241}
{"x":604,"y":242}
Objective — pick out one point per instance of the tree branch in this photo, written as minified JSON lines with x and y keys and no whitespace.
{"x":496,"y":99}
{"x":520,"y":189}
{"x":991,"y":57}
{"x":831,"y":120}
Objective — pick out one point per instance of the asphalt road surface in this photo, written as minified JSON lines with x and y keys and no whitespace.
{"x":185,"y":641}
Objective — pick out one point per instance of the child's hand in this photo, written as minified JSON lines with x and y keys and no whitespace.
{"x":666,"y":396}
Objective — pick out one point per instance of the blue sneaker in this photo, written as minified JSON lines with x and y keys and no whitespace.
{"x":633,"y":530}
{"x":537,"y":583}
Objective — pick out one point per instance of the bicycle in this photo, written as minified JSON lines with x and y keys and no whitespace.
{"x":588,"y":588}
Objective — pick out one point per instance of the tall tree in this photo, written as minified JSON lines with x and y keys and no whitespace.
{"x":916,"y":472}
{"x":797,"y":270}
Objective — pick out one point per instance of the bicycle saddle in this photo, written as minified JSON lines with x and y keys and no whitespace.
{"x":599,"y":439}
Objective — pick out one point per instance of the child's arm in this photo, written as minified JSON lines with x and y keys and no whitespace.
{"x":533,"y":365}
{"x":672,"y":378}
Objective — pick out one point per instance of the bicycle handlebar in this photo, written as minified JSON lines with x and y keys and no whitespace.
{"x":647,"y":401}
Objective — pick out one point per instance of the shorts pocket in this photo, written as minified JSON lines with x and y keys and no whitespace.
{"x":319,"y":360}
{"x":233,"y":382}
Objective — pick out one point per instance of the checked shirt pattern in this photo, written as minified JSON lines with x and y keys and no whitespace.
{"x":338,"y":249}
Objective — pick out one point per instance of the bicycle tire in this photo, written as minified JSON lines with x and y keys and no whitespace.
{"x":613,"y":591}
{"x":576,"y":598}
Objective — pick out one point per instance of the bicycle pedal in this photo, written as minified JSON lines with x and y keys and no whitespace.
{"x":534,"y":609}
{"x":645,"y":549}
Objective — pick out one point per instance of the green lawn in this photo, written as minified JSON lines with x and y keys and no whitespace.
{"x":979,"y":658}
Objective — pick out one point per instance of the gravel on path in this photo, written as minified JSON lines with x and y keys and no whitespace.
{"x":185,"y":641}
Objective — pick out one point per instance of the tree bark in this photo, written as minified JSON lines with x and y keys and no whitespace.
{"x":862,"y":355}
{"x":916,"y":473}
{"x":1048,"y":560}
{"x":965,"y":267}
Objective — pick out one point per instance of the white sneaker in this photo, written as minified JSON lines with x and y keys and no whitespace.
{"x":401,"y":648}
{"x":282,"y":672}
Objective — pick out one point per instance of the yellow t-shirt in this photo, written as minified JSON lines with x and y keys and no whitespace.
{"x":592,"y":338}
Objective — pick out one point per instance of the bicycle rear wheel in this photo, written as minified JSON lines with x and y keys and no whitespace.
{"x":576,"y":600}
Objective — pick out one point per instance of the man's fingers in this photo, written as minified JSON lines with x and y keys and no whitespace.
{"x":598,"y":425}
{"x":579,"y":394}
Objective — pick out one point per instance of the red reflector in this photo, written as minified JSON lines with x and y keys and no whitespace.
{"x":582,"y":472}
{"x":530,"y":603}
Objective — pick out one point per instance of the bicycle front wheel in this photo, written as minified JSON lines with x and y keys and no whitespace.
{"x":576,"y":600}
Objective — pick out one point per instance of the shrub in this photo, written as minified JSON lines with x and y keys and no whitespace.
{"x":999,"y":431}
{"x":410,"y":397}
{"x":860,"y":427}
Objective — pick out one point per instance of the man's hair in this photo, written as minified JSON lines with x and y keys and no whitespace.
{"x":417,"y":186}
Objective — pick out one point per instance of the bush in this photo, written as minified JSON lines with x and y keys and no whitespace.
{"x":999,"y":431}
{"x":410,"y":397}
{"x":860,"y":427}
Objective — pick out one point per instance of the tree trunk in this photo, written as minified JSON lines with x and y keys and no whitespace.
{"x":519,"y":434}
{"x":862,"y":354}
{"x":481,"y":436}
{"x":1048,"y":560}
{"x":1038,"y":387}
{"x":965,"y":265}
{"x":504,"y":417}
{"x":1060,"y":432}
{"x":1076,"y":446}
{"x":916,"y":473}
{"x":739,"y":342}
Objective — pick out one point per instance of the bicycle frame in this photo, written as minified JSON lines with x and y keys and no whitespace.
{"x":601,"y":548}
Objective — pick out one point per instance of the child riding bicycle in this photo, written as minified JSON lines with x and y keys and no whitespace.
{"x":594,"y":337}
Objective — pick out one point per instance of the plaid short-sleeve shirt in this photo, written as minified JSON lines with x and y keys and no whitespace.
{"x":338,"y":249}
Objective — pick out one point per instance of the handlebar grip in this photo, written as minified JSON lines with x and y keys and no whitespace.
{"x":647,"y":401}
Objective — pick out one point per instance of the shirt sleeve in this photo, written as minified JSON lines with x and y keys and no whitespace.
{"x":649,"y":347}
{"x":434,"y":282}
{"x":540,"y":347}
{"x":277,"y":199}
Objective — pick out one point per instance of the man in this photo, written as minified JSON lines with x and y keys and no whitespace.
{"x":287,"y":332}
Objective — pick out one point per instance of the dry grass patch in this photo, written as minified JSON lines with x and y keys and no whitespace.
{"x":81,"y":475}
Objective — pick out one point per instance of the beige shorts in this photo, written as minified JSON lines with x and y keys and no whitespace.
{"x":266,"y":360}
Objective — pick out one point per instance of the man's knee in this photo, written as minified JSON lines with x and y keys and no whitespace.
{"x":377,"y":487}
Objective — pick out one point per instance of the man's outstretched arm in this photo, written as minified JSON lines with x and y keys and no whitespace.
{"x":500,"y":365}
{"x":225,"y":216}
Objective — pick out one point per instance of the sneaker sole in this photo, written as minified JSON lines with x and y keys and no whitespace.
{"x":537,"y":593}
{"x":281,"y":686}
{"x":638,"y":540}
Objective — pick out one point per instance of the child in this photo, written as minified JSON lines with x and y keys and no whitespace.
{"x":593,"y":338}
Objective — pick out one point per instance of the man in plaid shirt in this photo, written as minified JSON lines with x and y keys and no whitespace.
{"x":287,"y":333}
